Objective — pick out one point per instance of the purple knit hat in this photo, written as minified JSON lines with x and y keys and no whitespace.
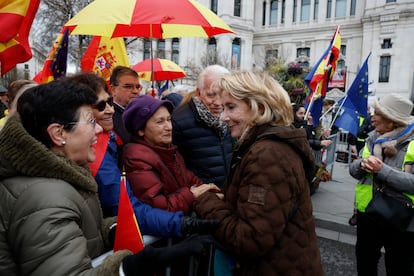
{"x":140,"y":109}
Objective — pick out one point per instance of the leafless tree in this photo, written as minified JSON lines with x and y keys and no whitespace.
{"x":50,"y":18}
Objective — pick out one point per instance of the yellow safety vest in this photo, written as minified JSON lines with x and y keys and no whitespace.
{"x":361,"y":122}
{"x":364,"y":188}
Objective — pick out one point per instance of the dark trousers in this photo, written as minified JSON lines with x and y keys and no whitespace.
{"x":399,"y":248}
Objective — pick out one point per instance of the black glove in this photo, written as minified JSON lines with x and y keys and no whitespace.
{"x":193,"y":225}
{"x":151,"y":259}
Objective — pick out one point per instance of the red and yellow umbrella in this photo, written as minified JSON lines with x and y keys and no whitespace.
{"x":163,"y":69}
{"x":147,"y":18}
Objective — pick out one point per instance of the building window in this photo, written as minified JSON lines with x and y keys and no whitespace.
{"x":316,"y":10}
{"x":340,"y":65}
{"x":353,"y":7}
{"x":386,"y":44}
{"x":235,"y":54}
{"x":305,"y":10}
{"x":147,"y":48}
{"x":237,"y":7}
{"x":328,"y":9}
{"x":175,"y":53}
{"x":161,"y":48}
{"x":343,"y":50}
{"x":295,"y":6}
{"x":340,"y":8}
{"x":391,"y":1}
{"x":273,"y":12}
{"x":271,"y":56}
{"x":264,"y":14}
{"x":384,"y":70}
{"x":304,"y":64}
{"x":212,"y":51}
{"x":214,"y":6}
{"x":283,"y":11}
{"x":300,"y":52}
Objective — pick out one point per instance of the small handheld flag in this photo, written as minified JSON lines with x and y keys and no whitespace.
{"x":127,"y":235}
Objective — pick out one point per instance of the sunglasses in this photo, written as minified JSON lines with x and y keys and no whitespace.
{"x":101,"y":105}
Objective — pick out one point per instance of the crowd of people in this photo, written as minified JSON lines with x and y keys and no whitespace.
{"x":223,"y":170}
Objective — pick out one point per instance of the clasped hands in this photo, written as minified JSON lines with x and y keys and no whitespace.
{"x":201,"y":189}
{"x":371,"y":164}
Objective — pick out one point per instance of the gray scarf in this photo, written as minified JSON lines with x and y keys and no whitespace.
{"x":214,"y":122}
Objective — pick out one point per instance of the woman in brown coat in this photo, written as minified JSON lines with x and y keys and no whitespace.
{"x":266,"y":210}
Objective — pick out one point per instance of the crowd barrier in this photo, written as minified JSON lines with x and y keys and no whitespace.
{"x":150,"y":240}
{"x":326,"y":156}
{"x":147,"y":240}
{"x":345,"y":152}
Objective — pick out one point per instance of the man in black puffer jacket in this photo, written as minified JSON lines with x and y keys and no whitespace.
{"x":202,"y":139}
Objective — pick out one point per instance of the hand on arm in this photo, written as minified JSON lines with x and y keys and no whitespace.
{"x":199,"y":190}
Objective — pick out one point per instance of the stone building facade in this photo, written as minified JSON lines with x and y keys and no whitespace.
{"x":300,"y":31}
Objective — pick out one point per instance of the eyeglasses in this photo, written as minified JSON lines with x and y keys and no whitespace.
{"x":91,"y":121}
{"x":131,"y":87}
{"x":101,"y":105}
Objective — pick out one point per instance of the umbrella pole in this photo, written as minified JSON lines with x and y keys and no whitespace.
{"x":152,"y":63}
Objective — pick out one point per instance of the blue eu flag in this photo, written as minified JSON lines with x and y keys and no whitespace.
{"x":355,"y":103}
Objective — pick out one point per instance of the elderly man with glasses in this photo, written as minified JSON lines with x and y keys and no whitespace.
{"x":124,"y":87}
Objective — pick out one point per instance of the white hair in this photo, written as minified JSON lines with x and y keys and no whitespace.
{"x":212,"y":71}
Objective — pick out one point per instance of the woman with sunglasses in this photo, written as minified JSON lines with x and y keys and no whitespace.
{"x":152,"y":221}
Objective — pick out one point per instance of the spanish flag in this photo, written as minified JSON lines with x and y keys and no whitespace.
{"x":327,"y":66}
{"x":103,"y":54}
{"x":320,"y":75}
{"x":16,"y":18}
{"x":56,"y":61}
{"x":127,"y":235}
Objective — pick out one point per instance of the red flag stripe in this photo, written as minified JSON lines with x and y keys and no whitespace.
{"x":17,"y":50}
{"x":11,"y":18}
{"x":127,"y":235}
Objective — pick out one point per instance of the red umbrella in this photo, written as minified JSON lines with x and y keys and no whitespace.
{"x":163,"y":69}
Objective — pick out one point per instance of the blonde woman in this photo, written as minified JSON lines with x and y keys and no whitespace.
{"x":266,"y":210}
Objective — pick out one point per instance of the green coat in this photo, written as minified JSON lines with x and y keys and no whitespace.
{"x":50,"y":216}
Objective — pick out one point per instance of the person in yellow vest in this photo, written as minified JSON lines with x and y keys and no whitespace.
{"x":388,"y":152}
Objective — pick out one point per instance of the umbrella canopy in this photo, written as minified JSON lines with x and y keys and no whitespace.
{"x":147,"y":18}
{"x":163,"y":69}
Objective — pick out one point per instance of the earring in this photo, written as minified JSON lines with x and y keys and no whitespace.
{"x":63,"y":142}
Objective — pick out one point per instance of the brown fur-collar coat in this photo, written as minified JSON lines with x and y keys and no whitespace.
{"x":266,"y":182}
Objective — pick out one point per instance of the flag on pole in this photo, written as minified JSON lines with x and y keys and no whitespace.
{"x":56,"y":61}
{"x":16,"y":18}
{"x":103,"y":54}
{"x":127,"y":235}
{"x":355,"y":103}
{"x":320,"y":75}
